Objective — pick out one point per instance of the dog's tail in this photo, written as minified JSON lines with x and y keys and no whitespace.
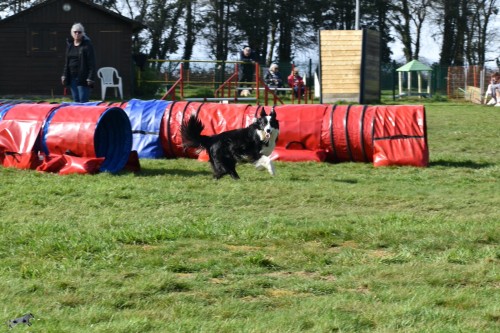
{"x":191,"y":134}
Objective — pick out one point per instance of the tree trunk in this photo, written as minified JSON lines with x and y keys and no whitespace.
{"x":190,"y":34}
{"x":449,"y":21}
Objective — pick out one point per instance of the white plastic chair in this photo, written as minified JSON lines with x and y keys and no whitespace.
{"x":107,"y":76}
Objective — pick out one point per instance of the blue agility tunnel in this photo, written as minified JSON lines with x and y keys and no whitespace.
{"x":145,"y":119}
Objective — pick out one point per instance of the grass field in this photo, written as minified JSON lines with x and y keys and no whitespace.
{"x":318,"y":248}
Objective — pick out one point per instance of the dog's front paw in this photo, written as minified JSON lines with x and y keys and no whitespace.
{"x":271,"y":170}
{"x":265,"y":162}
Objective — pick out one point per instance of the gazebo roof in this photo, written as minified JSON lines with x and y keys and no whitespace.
{"x":414,"y":66}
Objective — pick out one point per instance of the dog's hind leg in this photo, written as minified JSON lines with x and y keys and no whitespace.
{"x":218,"y":170}
{"x":226,"y":164}
{"x":231,"y":169}
{"x":234,"y":174}
{"x":225,"y":167}
{"x":264,"y":162}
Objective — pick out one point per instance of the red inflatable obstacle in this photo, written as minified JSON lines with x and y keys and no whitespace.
{"x":384,"y":135}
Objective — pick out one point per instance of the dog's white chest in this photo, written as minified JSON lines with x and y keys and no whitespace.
{"x":269,"y":145}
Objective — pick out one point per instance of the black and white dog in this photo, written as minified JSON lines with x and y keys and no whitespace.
{"x":250,"y":144}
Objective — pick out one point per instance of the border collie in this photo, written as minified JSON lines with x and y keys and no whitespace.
{"x":251,"y":144}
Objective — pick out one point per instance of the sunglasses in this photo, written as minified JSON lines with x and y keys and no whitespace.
{"x":77,"y":32}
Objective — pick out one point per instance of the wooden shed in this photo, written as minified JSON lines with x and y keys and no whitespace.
{"x":33,"y":45}
{"x":350,"y":66}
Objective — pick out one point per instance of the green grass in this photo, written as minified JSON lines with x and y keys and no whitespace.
{"x":318,"y":248}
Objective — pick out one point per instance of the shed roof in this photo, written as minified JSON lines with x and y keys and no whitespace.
{"x":136,"y":26}
{"x":414,"y":66}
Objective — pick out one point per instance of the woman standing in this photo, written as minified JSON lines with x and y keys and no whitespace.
{"x":79,"y":66}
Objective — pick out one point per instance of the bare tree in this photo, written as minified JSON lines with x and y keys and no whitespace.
{"x":408,"y":18}
{"x":419,"y":14}
{"x":136,"y":10}
{"x":466,"y":29}
{"x":480,"y":33}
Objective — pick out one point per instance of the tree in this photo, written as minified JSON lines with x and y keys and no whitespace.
{"x":136,"y":10}
{"x":288,"y":19}
{"x":446,"y":18}
{"x":191,"y":30}
{"x":407,"y":18}
{"x":219,"y":32}
{"x":376,"y":16}
{"x":479,"y":32}
{"x":465,"y":29}
{"x":340,"y":15}
{"x":163,"y":20}
{"x":297,"y":30}
{"x":251,"y":17}
{"x":419,"y":14}
{"x":277,"y":25}
{"x":273,"y":32}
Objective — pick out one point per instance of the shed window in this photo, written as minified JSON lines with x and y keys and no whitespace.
{"x":42,"y":41}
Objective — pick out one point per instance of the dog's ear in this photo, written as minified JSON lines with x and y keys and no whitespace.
{"x":263,"y":113}
{"x":273,"y":112}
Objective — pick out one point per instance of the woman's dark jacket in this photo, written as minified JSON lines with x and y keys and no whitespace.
{"x":273,"y":79}
{"x":86,"y":58}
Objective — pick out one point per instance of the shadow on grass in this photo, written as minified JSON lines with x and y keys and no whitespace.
{"x":150,"y":172}
{"x":347,"y":181}
{"x":460,"y":164}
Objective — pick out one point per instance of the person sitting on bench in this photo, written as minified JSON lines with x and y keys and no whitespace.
{"x":494,"y":90}
{"x":273,"y":77}
{"x":296,"y":82}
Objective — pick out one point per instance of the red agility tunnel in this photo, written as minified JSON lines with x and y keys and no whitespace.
{"x":90,"y":132}
{"x":400,"y":136}
{"x":385,"y":135}
{"x":349,"y":133}
{"x":216,"y":117}
{"x":301,"y":133}
{"x":20,"y":129}
{"x":65,"y":138}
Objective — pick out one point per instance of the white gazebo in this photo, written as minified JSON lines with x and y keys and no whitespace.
{"x":418,"y":67}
